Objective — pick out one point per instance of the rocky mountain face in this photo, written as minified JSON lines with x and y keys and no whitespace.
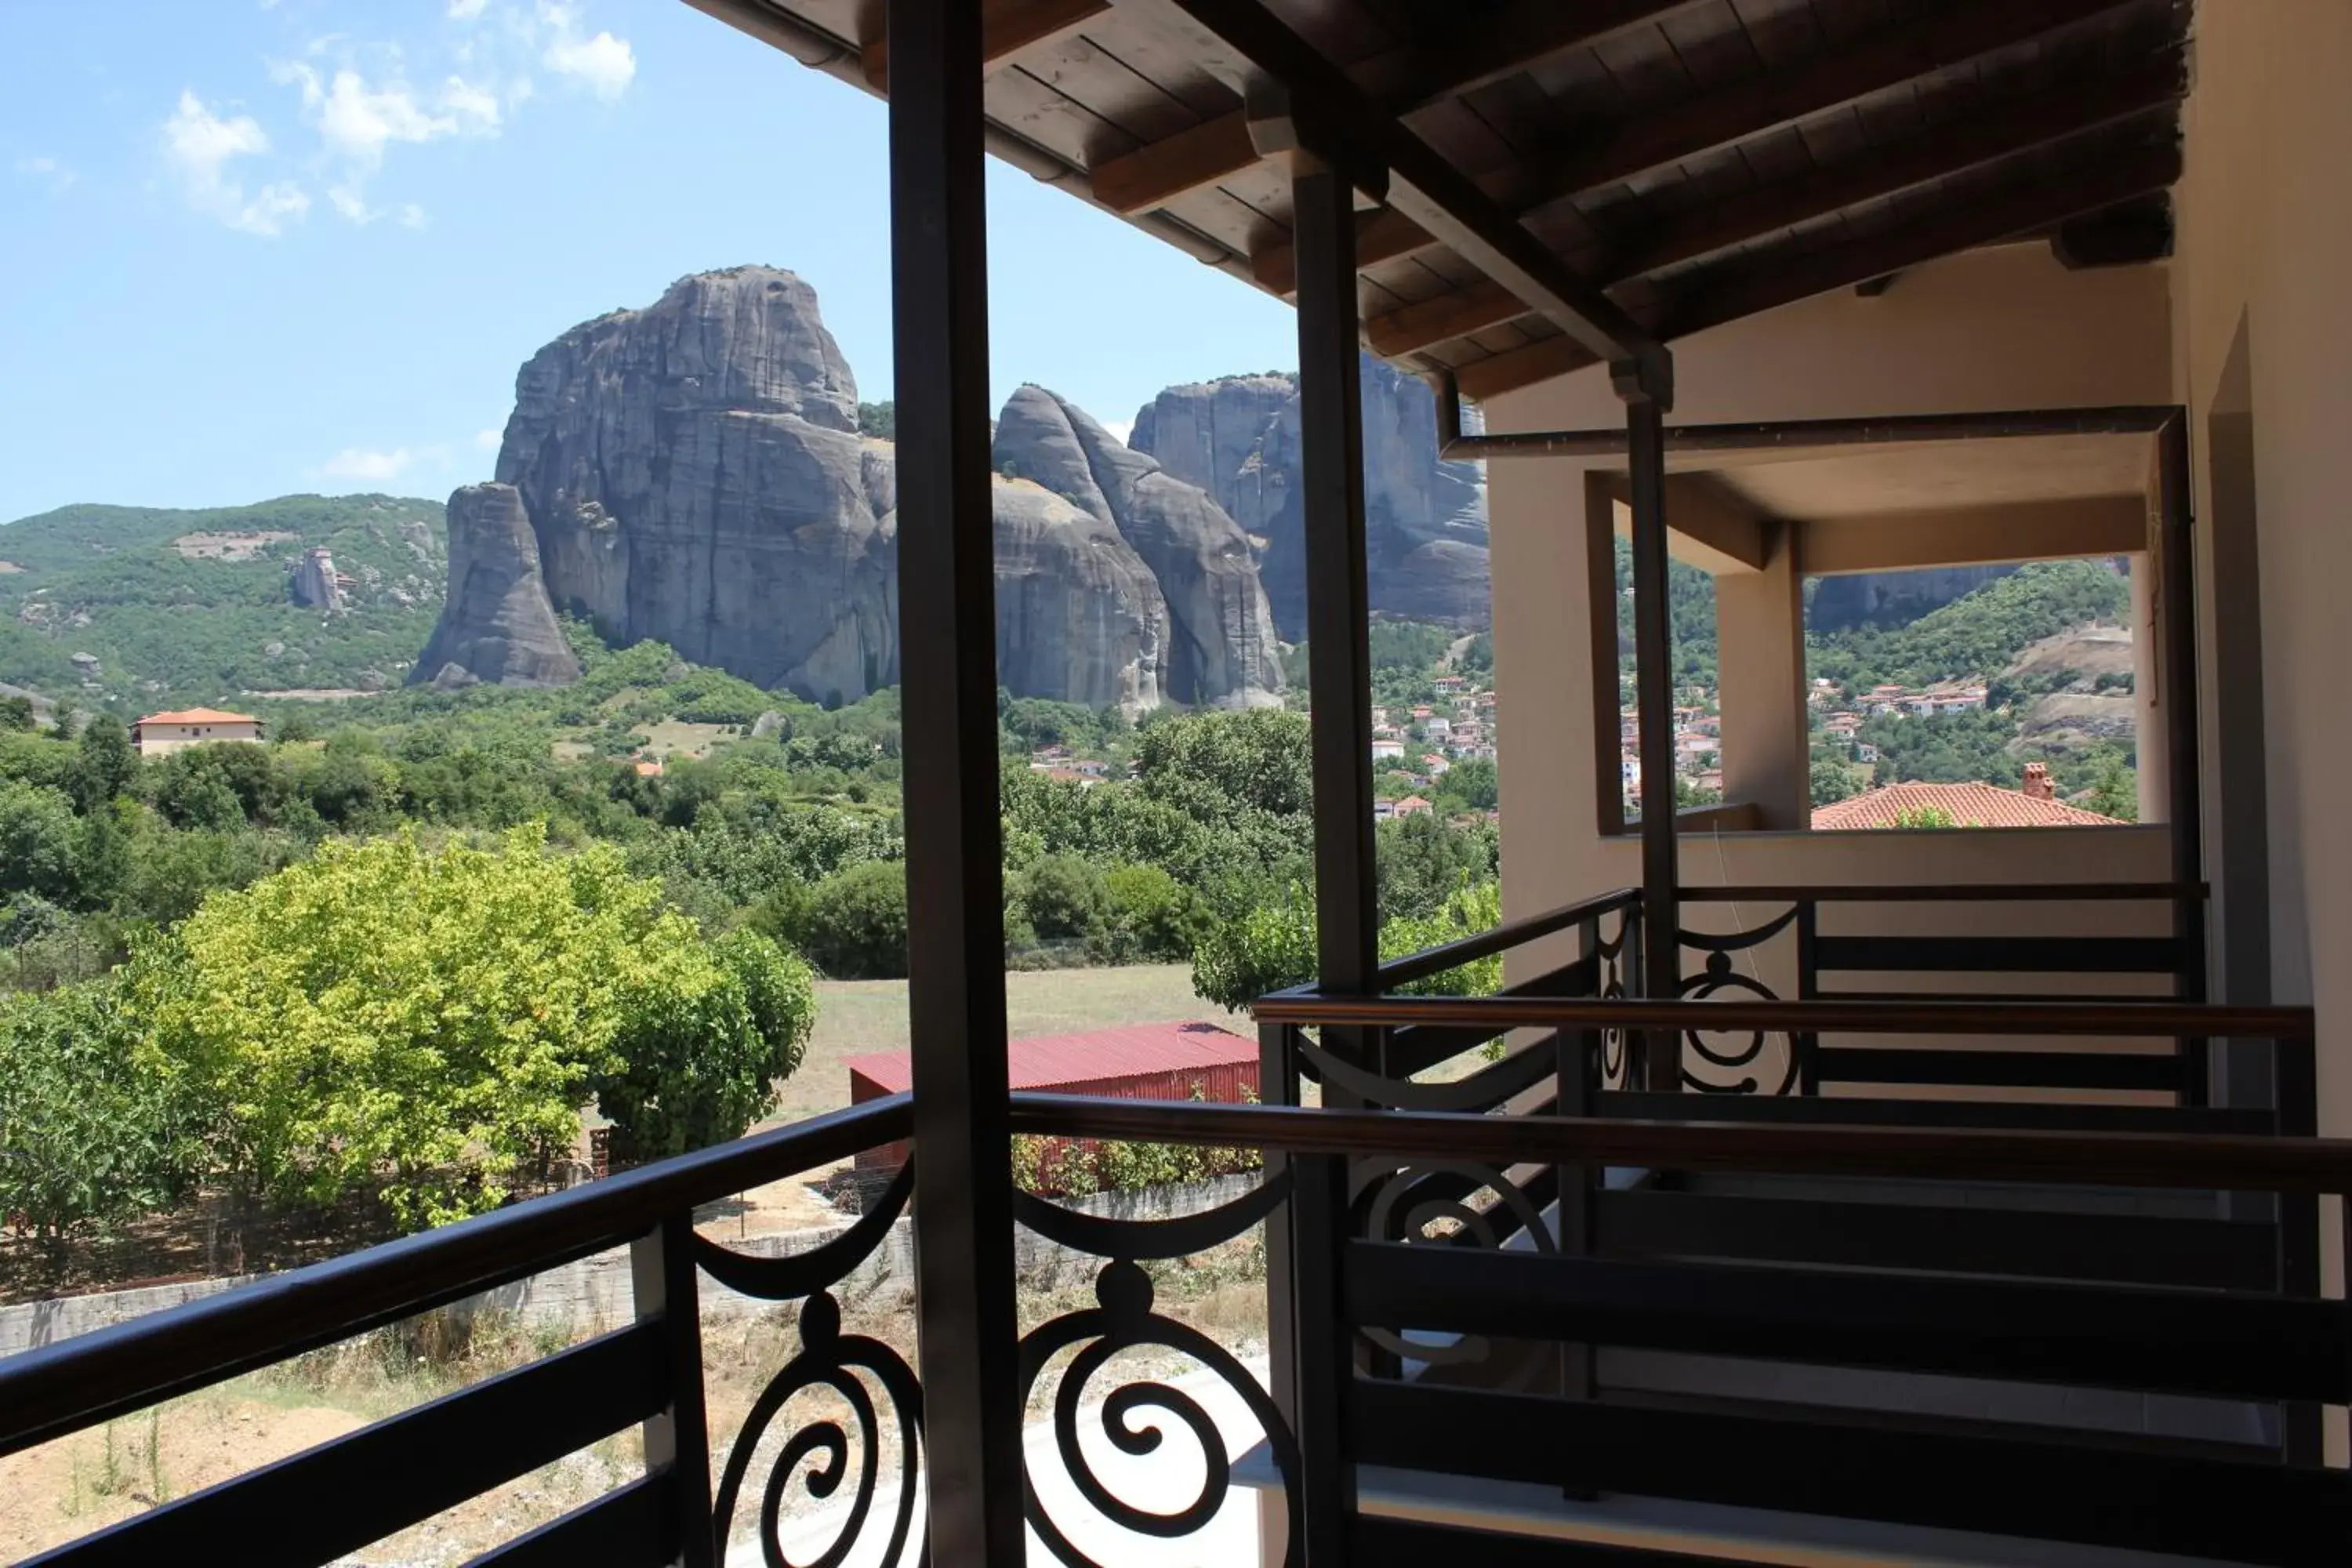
{"x":692,"y":472}
{"x":1893,"y":598}
{"x":1425,"y":519}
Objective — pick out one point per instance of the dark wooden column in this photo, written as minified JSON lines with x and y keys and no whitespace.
{"x":1654,"y":684}
{"x":955,"y":903}
{"x":1347,"y":910}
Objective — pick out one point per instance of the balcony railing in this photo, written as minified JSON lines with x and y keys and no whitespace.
{"x":1539,"y":1273}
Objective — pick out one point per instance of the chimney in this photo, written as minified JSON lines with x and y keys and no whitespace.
{"x":2037,"y":782}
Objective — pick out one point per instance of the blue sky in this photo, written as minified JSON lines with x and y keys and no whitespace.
{"x":256,"y":246}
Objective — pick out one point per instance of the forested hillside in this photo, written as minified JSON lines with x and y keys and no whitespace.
{"x":180,"y":608}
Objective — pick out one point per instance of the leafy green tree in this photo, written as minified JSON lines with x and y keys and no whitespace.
{"x":704,"y":1048}
{"x":1064,"y":897}
{"x":856,"y":927}
{"x":2115,"y":788}
{"x":92,"y":1129}
{"x":1215,"y":766}
{"x":1474,"y":782}
{"x":1833,"y":781}
{"x":36,"y":841}
{"x":1273,"y":947}
{"x":424,"y":1022}
{"x":1151,"y":917}
{"x":104,"y":762}
{"x":16,"y":714}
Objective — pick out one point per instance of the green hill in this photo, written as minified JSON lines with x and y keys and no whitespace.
{"x":193,"y":607}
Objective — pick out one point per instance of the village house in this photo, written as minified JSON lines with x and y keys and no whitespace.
{"x":1388,"y":750}
{"x":161,"y":734}
{"x":1412,"y":806}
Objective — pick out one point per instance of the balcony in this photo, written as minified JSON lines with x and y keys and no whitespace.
{"x":1553,"y":1276}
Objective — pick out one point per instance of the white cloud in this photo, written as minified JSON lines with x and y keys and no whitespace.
{"x":489,"y":440}
{"x":357,"y":122}
{"x":475,"y":108}
{"x":1122,"y":428}
{"x":604,"y":65}
{"x":198,"y":145}
{"x":360,"y":463}
{"x":466,"y":10}
{"x":49,"y":171}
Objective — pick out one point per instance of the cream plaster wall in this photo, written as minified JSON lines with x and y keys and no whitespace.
{"x":2266,"y":239}
{"x":1992,"y":330}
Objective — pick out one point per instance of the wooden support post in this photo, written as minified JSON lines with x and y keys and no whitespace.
{"x":1654,"y":677}
{"x":2183,"y":784}
{"x":678,"y":1440}
{"x":955,"y":904}
{"x":1347,"y":913}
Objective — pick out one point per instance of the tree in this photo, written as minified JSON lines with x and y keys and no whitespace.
{"x":1475,"y":780}
{"x":16,"y":714}
{"x":1151,"y":917}
{"x":1215,"y":765}
{"x":1834,"y":781}
{"x":36,"y":841}
{"x":91,"y":1128}
{"x":1273,"y":947}
{"x":426,"y":1022}
{"x":2115,"y":788}
{"x":1064,"y":897}
{"x":700,"y":1059}
{"x":104,"y":762}
{"x":855,"y":927}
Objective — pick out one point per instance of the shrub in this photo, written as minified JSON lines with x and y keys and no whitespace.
{"x":91,"y":1129}
{"x":700,"y":1059}
{"x":856,"y":926}
{"x":1064,"y":897}
{"x":1150,"y":916}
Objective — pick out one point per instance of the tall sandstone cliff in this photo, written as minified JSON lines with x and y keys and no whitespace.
{"x":692,"y":473}
{"x":1425,"y":519}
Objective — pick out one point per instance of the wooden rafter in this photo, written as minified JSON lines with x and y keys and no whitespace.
{"x":1007,"y":27}
{"x":1403,"y":81}
{"x":1321,"y":107}
{"x":1999,"y":132}
{"x":1881,"y":60}
{"x":2019,"y":211}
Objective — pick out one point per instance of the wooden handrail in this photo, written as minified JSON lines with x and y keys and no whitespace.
{"x":2221,"y":1162}
{"x":1500,"y":938}
{"x":2131,"y":1019}
{"x":1963,"y":892}
{"x":126,"y":1366}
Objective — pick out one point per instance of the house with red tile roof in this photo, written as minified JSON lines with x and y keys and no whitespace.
{"x":159,"y":734}
{"x":1967,"y":805}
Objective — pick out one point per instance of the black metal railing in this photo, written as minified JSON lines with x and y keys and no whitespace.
{"x":336,"y":1498}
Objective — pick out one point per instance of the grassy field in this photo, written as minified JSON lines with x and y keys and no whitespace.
{"x":856,"y":1016}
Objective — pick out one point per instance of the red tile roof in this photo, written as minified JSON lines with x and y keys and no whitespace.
{"x":1970,"y":805}
{"x":1051,"y":1061}
{"x":199,"y":716}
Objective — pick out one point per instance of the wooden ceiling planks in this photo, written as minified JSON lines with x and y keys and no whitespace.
{"x":1705,"y":154}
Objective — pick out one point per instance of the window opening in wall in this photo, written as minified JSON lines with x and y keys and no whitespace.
{"x":1698,"y":709}
{"x":1990,"y":695}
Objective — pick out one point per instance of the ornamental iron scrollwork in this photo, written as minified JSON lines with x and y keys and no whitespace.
{"x":1429,"y":1204}
{"x":1137,"y":1417}
{"x":820,"y":1452}
{"x":1718,"y":976}
{"x":1613,"y":959}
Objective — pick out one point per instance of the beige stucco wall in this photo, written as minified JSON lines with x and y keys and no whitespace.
{"x":162,"y":739}
{"x":2266,"y":239}
{"x":1993,"y":329}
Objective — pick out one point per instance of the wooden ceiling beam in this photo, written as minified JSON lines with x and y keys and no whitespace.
{"x":2019,"y":211}
{"x":1645,"y":143}
{"x":1007,"y":27}
{"x":1996,"y":132}
{"x":1402,"y":81}
{"x":1321,"y":107}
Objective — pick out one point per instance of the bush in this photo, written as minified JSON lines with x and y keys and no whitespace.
{"x":1064,"y":897}
{"x":698,"y":1062}
{"x":36,"y":841}
{"x":1150,"y":917}
{"x":856,"y":926}
{"x":91,"y":1130}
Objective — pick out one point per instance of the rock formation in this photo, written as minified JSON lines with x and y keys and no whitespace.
{"x":1221,"y":645}
{"x":692,"y":472}
{"x":1425,"y":519}
{"x":496,"y":625}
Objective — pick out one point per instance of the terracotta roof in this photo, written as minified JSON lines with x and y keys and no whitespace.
{"x":1970,"y":805}
{"x":199,"y":716}
{"x":1050,"y":1061}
